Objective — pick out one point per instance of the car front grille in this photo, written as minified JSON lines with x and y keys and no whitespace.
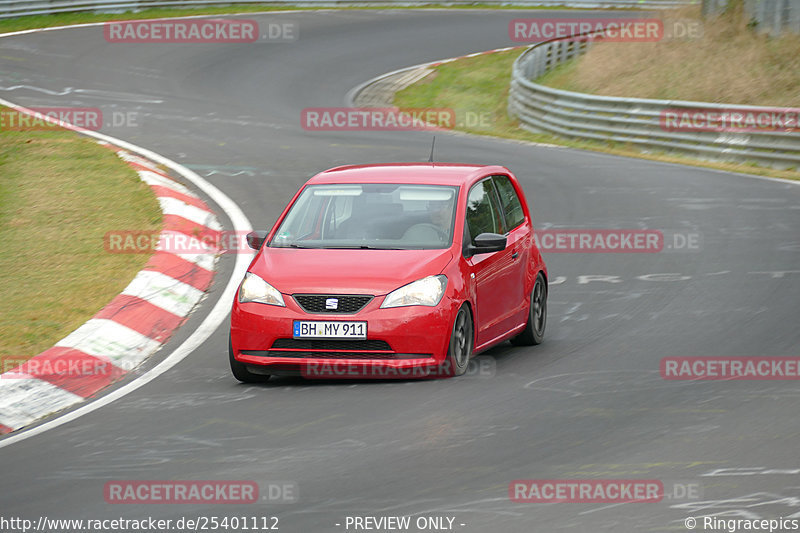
{"x":346,"y":304}
{"x":367,"y":345}
{"x":332,"y":355}
{"x":333,"y":349}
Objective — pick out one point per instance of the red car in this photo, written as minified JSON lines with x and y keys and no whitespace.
{"x":395,"y":270}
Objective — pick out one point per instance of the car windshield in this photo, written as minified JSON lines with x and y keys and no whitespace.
{"x":370,"y":216}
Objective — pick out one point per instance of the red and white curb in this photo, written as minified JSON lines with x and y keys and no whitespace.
{"x":131,"y":327}
{"x":476,"y":54}
{"x":420,"y":70}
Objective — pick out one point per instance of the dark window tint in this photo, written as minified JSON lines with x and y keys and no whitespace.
{"x":482,"y":213}
{"x":512,"y":208}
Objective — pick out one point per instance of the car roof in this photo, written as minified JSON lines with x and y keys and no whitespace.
{"x":428,"y":173}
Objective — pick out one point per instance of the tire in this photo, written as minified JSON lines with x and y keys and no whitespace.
{"x":461,"y":344}
{"x":240,"y":371}
{"x":537,"y":316}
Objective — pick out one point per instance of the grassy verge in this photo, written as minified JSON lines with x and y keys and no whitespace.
{"x":59,"y":194}
{"x":478,"y":87}
{"x":63,"y":19}
{"x":731,"y":63}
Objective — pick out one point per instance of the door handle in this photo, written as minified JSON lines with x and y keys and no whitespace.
{"x":514,"y":254}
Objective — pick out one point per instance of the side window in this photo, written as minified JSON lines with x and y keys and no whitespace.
{"x":483,"y":215}
{"x":512,"y":208}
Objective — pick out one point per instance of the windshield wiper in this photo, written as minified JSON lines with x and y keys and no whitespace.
{"x":294,"y":245}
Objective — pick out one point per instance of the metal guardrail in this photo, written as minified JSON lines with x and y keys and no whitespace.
{"x":771,"y":16}
{"x":20,"y":8}
{"x":637,"y":121}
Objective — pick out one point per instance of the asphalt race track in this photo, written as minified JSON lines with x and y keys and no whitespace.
{"x":588,"y":403}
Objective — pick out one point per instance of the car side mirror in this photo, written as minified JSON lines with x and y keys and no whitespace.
{"x":487,"y":243}
{"x":255,"y":239}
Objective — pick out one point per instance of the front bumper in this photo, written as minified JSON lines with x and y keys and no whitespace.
{"x":401,"y":342}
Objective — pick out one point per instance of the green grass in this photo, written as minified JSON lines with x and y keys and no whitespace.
{"x":478,"y":86}
{"x":59,"y":194}
{"x":729,"y":64}
{"x":476,"y":89}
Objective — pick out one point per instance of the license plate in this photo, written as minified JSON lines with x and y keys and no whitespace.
{"x":304,"y":329}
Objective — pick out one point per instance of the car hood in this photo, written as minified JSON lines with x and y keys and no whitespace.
{"x":376,"y":272}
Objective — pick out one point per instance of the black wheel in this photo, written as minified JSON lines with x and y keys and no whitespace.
{"x":460,"y":344}
{"x":240,"y":371}
{"x":537,"y":316}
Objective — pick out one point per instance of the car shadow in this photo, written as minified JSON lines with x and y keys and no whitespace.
{"x":483,"y":365}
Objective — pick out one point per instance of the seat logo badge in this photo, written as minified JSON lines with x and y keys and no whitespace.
{"x":332,"y":303}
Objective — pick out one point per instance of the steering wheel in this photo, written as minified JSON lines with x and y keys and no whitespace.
{"x":424,"y":231}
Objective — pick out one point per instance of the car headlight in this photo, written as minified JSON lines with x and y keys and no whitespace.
{"x":426,"y":291}
{"x":255,"y":289}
